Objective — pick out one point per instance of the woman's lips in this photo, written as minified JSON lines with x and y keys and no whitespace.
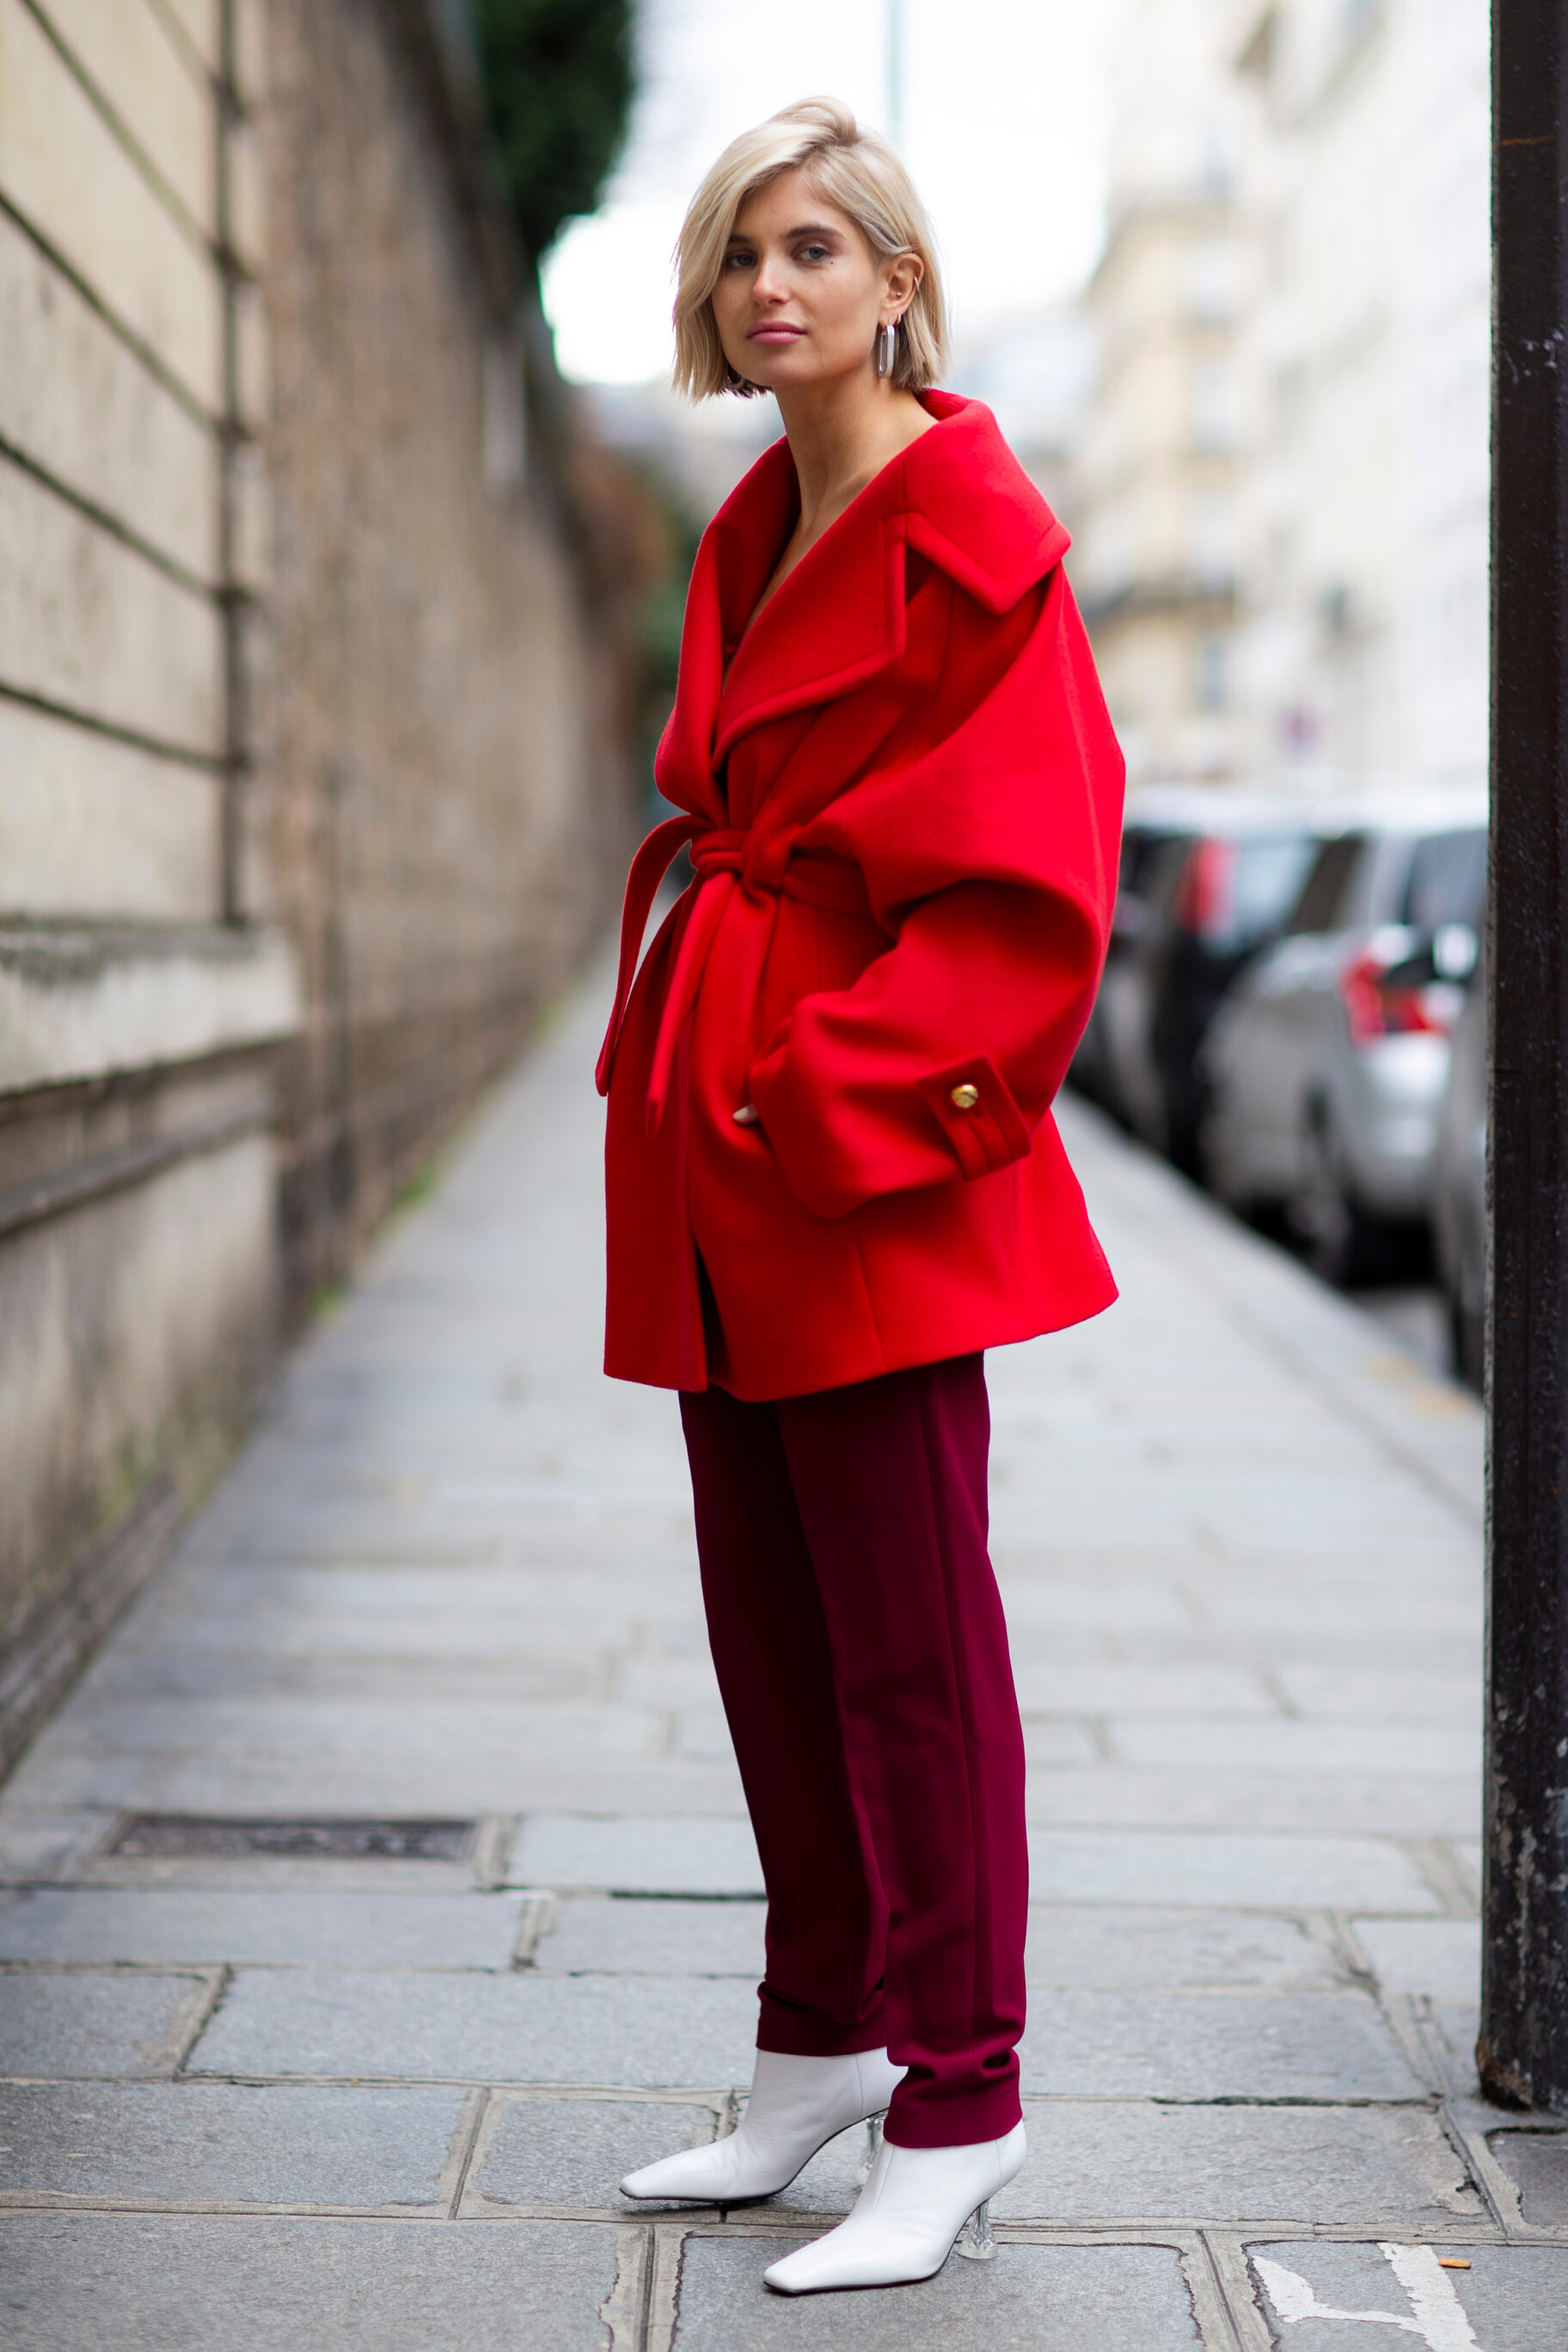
{"x":775,"y":333}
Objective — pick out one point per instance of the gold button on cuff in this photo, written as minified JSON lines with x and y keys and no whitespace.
{"x":964,"y":1097}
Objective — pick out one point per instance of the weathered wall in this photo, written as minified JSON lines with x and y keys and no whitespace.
{"x":312,"y":723}
{"x":138,"y":1021}
{"x":442,"y":776}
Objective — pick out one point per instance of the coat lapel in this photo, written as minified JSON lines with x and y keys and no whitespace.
{"x":958,"y":495}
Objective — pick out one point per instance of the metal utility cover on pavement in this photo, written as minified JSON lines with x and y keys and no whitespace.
{"x":169,"y":1836}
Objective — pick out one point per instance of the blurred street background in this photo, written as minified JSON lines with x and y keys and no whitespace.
{"x":374,"y":1887}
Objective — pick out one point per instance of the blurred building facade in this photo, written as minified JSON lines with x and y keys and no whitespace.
{"x":1035,"y":372}
{"x":1159,"y":479}
{"x":1282,"y":490}
{"x":1365,"y":633}
{"x":317,"y":701}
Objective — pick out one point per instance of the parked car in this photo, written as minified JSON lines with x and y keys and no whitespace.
{"x":1460,"y":1186}
{"x":1144,"y":839}
{"x":1207,"y":880}
{"x":1327,"y":1067}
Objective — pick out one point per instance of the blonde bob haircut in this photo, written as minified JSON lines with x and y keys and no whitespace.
{"x":850,"y":168}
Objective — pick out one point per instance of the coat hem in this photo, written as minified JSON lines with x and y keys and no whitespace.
{"x":967,"y":1346}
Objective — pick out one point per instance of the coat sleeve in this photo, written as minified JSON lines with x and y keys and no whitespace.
{"x":991,"y":861}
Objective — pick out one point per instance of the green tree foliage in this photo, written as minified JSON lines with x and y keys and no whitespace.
{"x":559,"y":77}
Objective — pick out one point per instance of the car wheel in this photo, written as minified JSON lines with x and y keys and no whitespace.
{"x":1342,"y":1244}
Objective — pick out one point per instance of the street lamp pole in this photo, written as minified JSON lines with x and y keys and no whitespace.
{"x":1523,"y":2050}
{"x":896,"y":71}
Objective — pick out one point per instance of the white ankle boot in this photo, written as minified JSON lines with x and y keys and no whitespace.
{"x":796,"y":2106}
{"x":907,"y":2217}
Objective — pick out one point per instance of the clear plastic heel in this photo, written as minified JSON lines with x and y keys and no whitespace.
{"x":974,"y":2240}
{"x":862,"y":2172}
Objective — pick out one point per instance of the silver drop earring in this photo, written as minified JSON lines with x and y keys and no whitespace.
{"x":887,"y":348}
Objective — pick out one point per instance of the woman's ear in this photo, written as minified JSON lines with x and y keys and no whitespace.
{"x":903,"y":279}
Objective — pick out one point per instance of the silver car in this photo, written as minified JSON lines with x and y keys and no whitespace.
{"x":1327,"y":1066}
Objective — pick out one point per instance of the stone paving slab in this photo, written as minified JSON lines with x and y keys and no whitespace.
{"x":77,"y":2023}
{"x":1138,"y":1947}
{"x":36,"y":1841}
{"x":1213,"y":2045}
{"x":446,"y":1784}
{"x":1093,"y":2161}
{"x":1424,"y":1657}
{"x":218,"y":2142}
{"x":1511,"y":2299}
{"x":1118,"y":1944}
{"x":1049,"y":1688}
{"x":667,"y":1682}
{"x":1060,"y":1605}
{"x":660,"y":2030}
{"x":1457,"y":2026}
{"x":382,"y":1610}
{"x":1055,"y":1740}
{"x":278,"y":1676}
{"x":670,"y":1939}
{"x":1113,"y":1796}
{"x":542,"y":2151}
{"x":694,"y":1857}
{"x":1217,"y":1744}
{"x":1382,"y":1694}
{"x":1376,"y":1619}
{"x":241,"y":1925}
{"x":501,"y":1733}
{"x":1537,"y":2163}
{"x":1440,"y":1958}
{"x":141,"y":2283}
{"x":637,"y":1856}
{"x":1267,"y":1872}
{"x":1047,"y":2298}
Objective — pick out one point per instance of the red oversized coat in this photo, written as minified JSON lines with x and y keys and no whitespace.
{"x":904,"y":806}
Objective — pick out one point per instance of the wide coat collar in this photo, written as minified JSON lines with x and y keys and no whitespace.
{"x":958,"y":495}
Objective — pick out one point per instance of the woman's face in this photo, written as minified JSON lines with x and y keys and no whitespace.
{"x":802,"y":292}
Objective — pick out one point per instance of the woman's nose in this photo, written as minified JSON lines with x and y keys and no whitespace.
{"x":767,"y":285}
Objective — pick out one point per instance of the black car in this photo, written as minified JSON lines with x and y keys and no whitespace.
{"x":1200,"y":895}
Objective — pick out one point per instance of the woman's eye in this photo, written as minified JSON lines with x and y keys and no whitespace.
{"x":739,"y":259}
{"x":813,"y":253}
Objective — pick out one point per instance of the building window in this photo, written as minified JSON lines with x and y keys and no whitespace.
{"x":1216,"y":160}
{"x":1213,"y":673}
{"x":1212,"y":405}
{"x":1211,"y":542}
{"x":1214,"y":279}
{"x":1289,"y":388}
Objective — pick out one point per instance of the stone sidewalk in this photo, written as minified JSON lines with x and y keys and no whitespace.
{"x":295,"y":2087}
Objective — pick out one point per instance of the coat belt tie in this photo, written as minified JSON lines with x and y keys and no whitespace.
{"x":717,"y":853}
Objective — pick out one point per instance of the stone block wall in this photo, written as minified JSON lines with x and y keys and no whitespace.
{"x":444,"y":786}
{"x":315,"y":692}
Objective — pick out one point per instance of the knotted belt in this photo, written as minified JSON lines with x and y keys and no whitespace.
{"x":719,"y":854}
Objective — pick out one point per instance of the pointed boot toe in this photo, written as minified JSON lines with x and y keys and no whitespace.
{"x":906,"y":2218}
{"x":694,"y":2175}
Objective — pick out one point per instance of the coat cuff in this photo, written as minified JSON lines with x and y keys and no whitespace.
{"x":974,"y":1108}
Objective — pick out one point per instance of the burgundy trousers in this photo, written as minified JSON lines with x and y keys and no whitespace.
{"x":862,"y":1654}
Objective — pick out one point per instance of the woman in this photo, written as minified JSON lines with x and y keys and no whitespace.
{"x":833,"y":1178}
